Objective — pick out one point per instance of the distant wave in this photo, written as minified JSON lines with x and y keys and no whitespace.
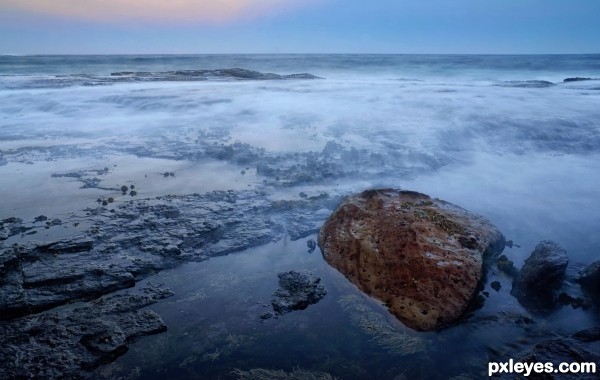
{"x":233,"y":74}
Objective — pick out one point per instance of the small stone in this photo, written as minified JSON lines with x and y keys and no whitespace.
{"x":110,"y":200}
{"x":266,"y":315}
{"x":40,"y":218}
{"x":124,"y":188}
{"x":496,"y":285}
{"x":312,"y":245}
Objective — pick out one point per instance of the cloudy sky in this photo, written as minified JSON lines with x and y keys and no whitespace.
{"x":299,"y":26}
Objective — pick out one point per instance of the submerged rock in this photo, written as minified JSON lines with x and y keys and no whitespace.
{"x":541,"y":276}
{"x":423,"y":257}
{"x":297,"y":291}
{"x":574,"y":349}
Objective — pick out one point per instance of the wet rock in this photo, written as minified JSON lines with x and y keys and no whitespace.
{"x":41,"y":218}
{"x":266,"y":315}
{"x":588,"y":335}
{"x":423,"y":257}
{"x":541,"y":276}
{"x":575,"y":302}
{"x":297,"y":291}
{"x":69,"y":344}
{"x":77,"y":244}
{"x":496,"y":285}
{"x":575,"y":79}
{"x":13,"y":226}
{"x":589,"y":278}
{"x":312,"y":245}
{"x":506,"y":266}
{"x":557,"y":351}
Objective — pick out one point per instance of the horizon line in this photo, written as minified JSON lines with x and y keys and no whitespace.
{"x":199,"y":54}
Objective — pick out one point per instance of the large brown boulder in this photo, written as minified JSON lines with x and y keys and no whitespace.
{"x":423,"y":257}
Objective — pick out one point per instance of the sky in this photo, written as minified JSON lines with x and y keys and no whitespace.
{"x":299,"y":26}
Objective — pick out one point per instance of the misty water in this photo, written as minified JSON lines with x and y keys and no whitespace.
{"x":502,"y":136}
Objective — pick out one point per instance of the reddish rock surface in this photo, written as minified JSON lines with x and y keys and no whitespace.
{"x":423,"y":257}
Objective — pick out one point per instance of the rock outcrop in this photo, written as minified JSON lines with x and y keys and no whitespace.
{"x":423,"y":257}
{"x":589,"y":278}
{"x":541,"y":276}
{"x":297,"y":291}
{"x":71,"y":342}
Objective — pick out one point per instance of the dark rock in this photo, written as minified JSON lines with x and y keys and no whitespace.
{"x":405,"y":249}
{"x":541,"y":276}
{"x":506,"y":266}
{"x":124,"y":188}
{"x":266,"y":315}
{"x":527,"y":83}
{"x":297,"y":291}
{"x":496,"y":285}
{"x":557,"y":351}
{"x":70,"y":343}
{"x":575,"y":302}
{"x":588,"y":335}
{"x":41,"y":218}
{"x":576,"y":79}
{"x":77,"y":244}
{"x":589,"y":278}
{"x":312,"y":245}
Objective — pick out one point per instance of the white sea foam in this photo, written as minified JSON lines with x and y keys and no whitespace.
{"x":526,"y":157}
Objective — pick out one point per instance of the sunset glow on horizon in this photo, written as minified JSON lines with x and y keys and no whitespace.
{"x":208,"y":11}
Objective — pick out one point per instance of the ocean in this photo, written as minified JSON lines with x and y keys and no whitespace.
{"x":515,"y":138}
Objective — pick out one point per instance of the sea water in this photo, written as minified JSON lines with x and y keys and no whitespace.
{"x":503,"y":136}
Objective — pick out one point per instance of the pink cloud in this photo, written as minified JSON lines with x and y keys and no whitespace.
{"x":211,"y":11}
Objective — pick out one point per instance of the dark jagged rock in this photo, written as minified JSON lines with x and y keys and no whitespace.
{"x":297,"y":291}
{"x":202,"y":75}
{"x":506,"y":266}
{"x":527,"y":83}
{"x":589,"y":278}
{"x":541,"y":276}
{"x":588,"y":335}
{"x":423,"y":257}
{"x":496,"y":285}
{"x":557,"y":351}
{"x":68,"y":344}
{"x":12,"y":226}
{"x":576,"y":79}
{"x":77,"y":244}
{"x":312,"y":245}
{"x":575,"y":302}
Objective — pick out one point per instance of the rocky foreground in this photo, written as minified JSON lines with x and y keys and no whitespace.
{"x":122,"y":244}
{"x":423,"y":257}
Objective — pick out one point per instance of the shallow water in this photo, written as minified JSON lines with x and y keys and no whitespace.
{"x":467,"y":129}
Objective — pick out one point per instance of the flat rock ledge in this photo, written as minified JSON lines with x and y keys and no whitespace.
{"x":423,"y":257}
